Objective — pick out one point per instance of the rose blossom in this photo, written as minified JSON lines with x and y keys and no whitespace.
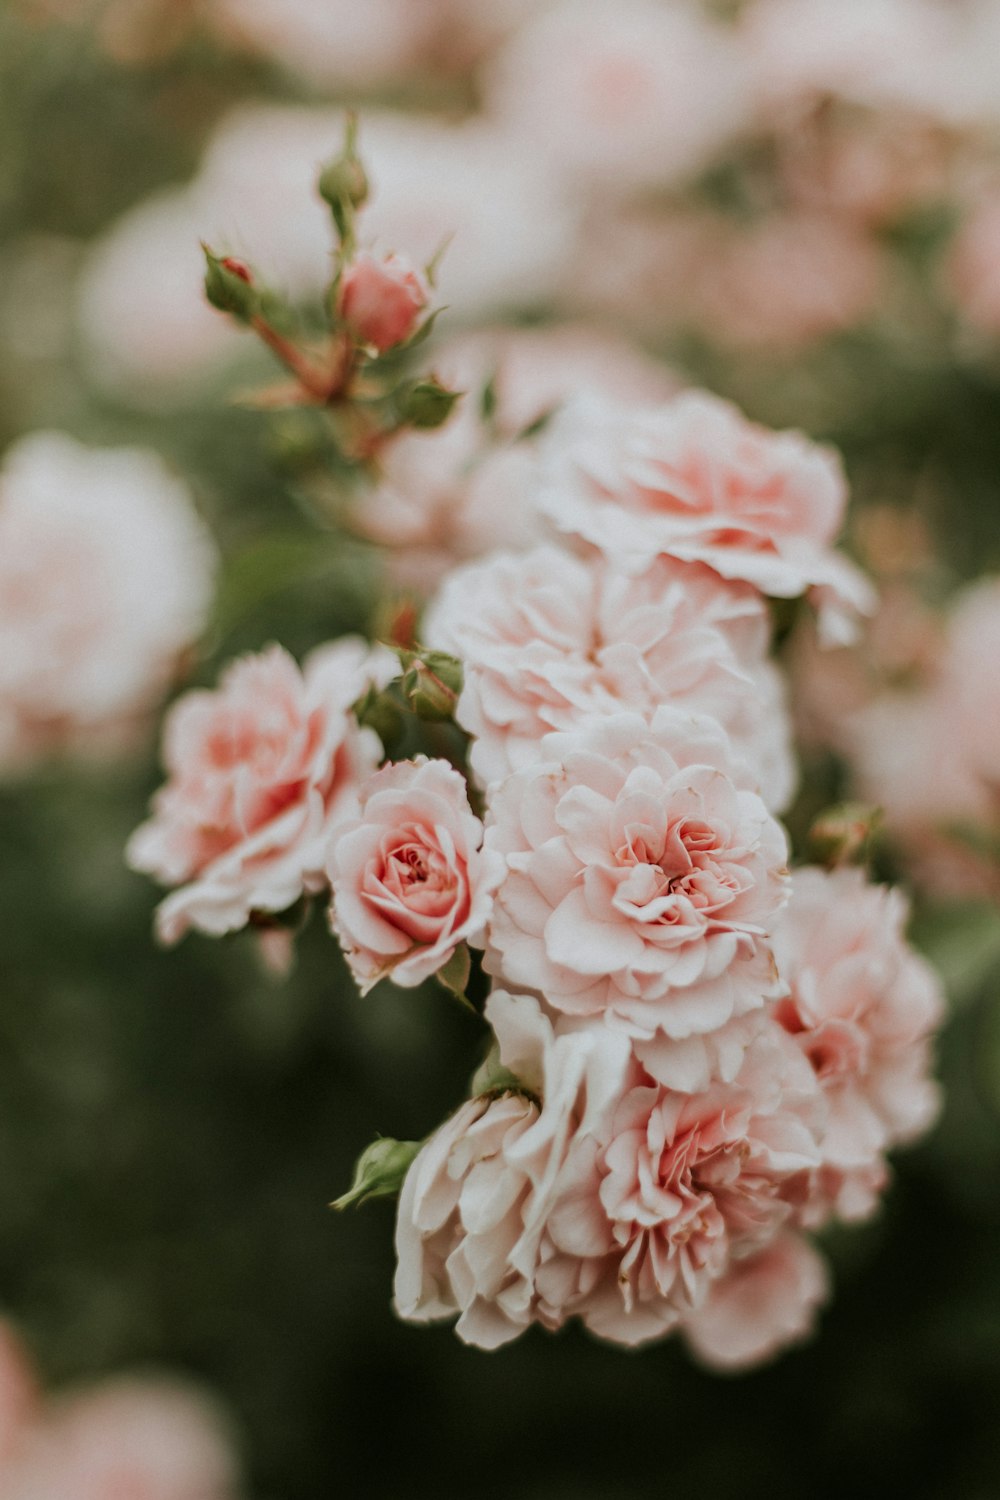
{"x":547,"y":639}
{"x":259,"y":772}
{"x":467,"y":488}
{"x":787,"y":281}
{"x":862,"y":1007}
{"x":641,"y":879}
{"x":763,"y":1303}
{"x":149,"y":1439}
{"x":595,"y":1193}
{"x":693,"y":479}
{"x":472,"y":1212}
{"x":381,"y":300}
{"x":105,"y":579}
{"x":631,"y":96}
{"x":409,"y":876}
{"x":656,"y":1209}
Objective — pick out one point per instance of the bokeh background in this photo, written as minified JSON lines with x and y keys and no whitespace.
{"x":798,"y":218}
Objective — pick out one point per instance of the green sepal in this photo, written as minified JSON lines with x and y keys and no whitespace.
{"x":379,"y":1171}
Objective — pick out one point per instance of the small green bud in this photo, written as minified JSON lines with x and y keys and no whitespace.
{"x":379,"y":1171}
{"x":843,"y":835}
{"x":426,"y":404}
{"x":343,"y":183}
{"x":229,"y":286}
{"x":432,"y":681}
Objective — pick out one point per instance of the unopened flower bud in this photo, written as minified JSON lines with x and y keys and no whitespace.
{"x":379,"y":1171}
{"x":432,"y":682}
{"x":843,"y":834}
{"x":229,"y":286}
{"x":427,"y":404}
{"x":381,"y":300}
{"x":343,"y":184}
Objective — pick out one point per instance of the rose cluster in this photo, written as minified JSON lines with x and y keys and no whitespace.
{"x":698,"y":1057}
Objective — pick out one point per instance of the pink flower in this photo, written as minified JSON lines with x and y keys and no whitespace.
{"x":381,"y":300}
{"x":862,"y":1008}
{"x":149,"y":1440}
{"x":595,"y":1193}
{"x":547,"y":640}
{"x":683,"y":1184}
{"x":19,"y":1396}
{"x":410,"y":879}
{"x":260,"y":771}
{"x":761,"y":1305}
{"x":630,"y":97}
{"x":472,"y":1215}
{"x":788,"y":281}
{"x":693,"y":479}
{"x":641,"y":880}
{"x":468,"y":488}
{"x":105,"y":579}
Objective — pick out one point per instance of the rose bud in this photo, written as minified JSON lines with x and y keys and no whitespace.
{"x":381,"y":300}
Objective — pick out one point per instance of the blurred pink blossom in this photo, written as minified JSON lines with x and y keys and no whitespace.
{"x":763,"y":1303}
{"x":105,"y":580}
{"x":635,"y":95}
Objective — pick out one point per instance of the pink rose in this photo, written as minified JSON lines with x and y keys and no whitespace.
{"x":260,"y":771}
{"x":761,"y":1305}
{"x":105,"y":580}
{"x":471,"y":1222}
{"x":410,"y":878}
{"x":547,"y":640}
{"x":678,"y":1187}
{"x":694,"y":480}
{"x":632,"y":97}
{"x":862,"y":1009}
{"x":641,"y":880}
{"x":381,"y":300}
{"x":144,"y":1439}
{"x":595,"y":1193}
{"x":467,"y":489}
{"x":19,"y":1395}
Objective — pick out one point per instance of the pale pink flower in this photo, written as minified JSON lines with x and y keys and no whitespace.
{"x":410,"y":878}
{"x":679,"y":1186}
{"x":862,"y":1008}
{"x":547,"y":639}
{"x":763,"y":1303}
{"x":19,"y":1396}
{"x":637,"y":95}
{"x":641,"y":879}
{"x":594,"y":1193}
{"x":467,"y":488}
{"x":105,"y":580}
{"x":695,"y":480}
{"x":381,"y":300}
{"x":788,"y":281}
{"x":472,"y":1217}
{"x":507,"y":247}
{"x":260,"y":771}
{"x":881,"y":53}
{"x":149,"y":1440}
{"x":331,"y":43}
